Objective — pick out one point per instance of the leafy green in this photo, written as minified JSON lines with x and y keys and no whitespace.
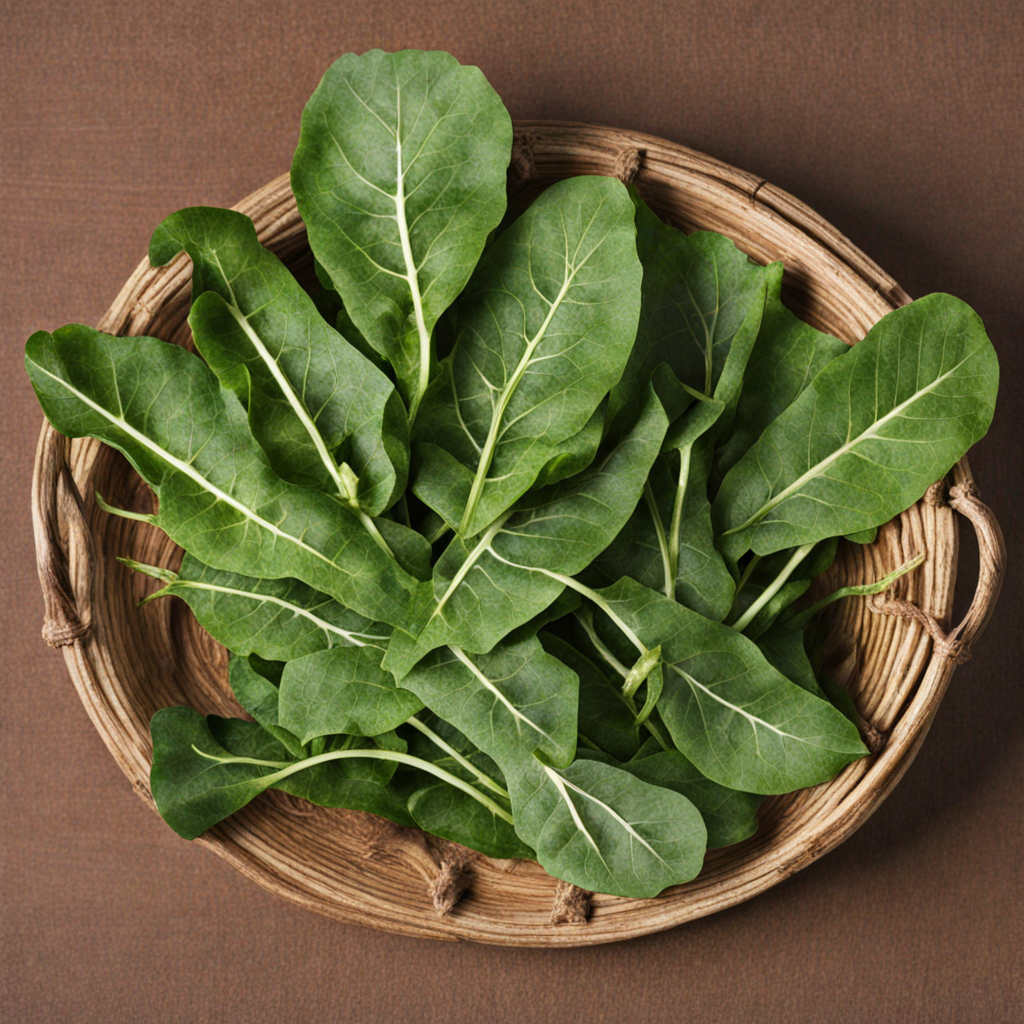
{"x":741,"y":722}
{"x":787,"y":356}
{"x":868,"y":435}
{"x":400,"y":176}
{"x":544,"y":329}
{"x":343,"y":690}
{"x":602,"y":828}
{"x":276,"y":619}
{"x":507,"y":522}
{"x":188,"y":438}
{"x":729,"y":816}
{"x":486,"y":587}
{"x":309,"y":394}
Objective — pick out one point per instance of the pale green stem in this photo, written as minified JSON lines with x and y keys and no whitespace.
{"x":142,"y":517}
{"x":659,"y":529}
{"x":649,"y":724}
{"x":859,"y":590}
{"x":438,"y":533}
{"x":587,"y":622}
{"x":456,"y":756}
{"x":676,"y":529}
{"x":773,"y":588}
{"x":288,"y":769}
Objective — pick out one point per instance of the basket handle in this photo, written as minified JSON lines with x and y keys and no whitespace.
{"x":963,"y":497}
{"x":957,"y":643}
{"x":63,"y":557}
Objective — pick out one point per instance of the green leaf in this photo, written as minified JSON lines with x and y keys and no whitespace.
{"x":544,"y":328}
{"x":343,"y":690}
{"x":741,"y":722}
{"x":702,"y":305}
{"x":399,"y":176}
{"x":606,"y":718}
{"x":191,"y":792}
{"x":260,"y":697}
{"x":276,"y":619}
{"x":784,"y":650}
{"x":445,"y":811}
{"x":869,"y":435}
{"x":787,"y":356}
{"x":730,"y":816}
{"x":669,"y":537}
{"x":355,"y":783}
{"x":309,"y":393}
{"x":164,"y":409}
{"x":198,"y":779}
{"x":487,"y":587}
{"x":509,"y":703}
{"x":602,"y":828}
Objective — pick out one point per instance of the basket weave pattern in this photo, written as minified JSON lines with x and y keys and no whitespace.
{"x":894,"y":653}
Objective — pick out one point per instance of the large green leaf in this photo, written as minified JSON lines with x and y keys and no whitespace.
{"x":400,"y":176}
{"x":343,"y":690}
{"x":868,"y":435}
{"x":742,"y":723}
{"x":193,"y":792}
{"x":486,"y":587}
{"x":219,"y":498}
{"x":544,"y":329}
{"x":702,"y":305}
{"x":311,"y":397}
{"x":276,"y":619}
{"x":787,"y":356}
{"x":602,"y":828}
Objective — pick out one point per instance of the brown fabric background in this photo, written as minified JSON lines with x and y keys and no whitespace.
{"x":900,"y":122}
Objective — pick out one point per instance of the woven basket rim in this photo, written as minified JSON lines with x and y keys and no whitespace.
{"x":67,"y":559}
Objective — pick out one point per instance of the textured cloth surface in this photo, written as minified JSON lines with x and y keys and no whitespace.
{"x":899,"y":123}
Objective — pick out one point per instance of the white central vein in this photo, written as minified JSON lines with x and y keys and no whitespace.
{"x":467,"y":565}
{"x":870,"y":434}
{"x":411,"y":270}
{"x":574,"y":812}
{"x":487,"y":456}
{"x":327,"y":627}
{"x":291,"y":397}
{"x":187,"y":470}
{"x":488,"y":685}
{"x":753,"y":719}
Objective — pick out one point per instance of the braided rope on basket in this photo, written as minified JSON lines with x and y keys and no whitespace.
{"x":894,"y":653}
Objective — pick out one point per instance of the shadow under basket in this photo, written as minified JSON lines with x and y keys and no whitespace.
{"x":893,"y":653}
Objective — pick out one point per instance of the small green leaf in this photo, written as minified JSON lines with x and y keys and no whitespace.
{"x":343,"y":690}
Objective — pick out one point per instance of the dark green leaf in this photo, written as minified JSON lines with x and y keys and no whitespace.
{"x":309,"y":394}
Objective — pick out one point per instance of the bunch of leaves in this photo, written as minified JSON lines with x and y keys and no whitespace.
{"x":507,"y":525}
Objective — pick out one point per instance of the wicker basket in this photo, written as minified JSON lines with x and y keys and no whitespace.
{"x":895,"y":655}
